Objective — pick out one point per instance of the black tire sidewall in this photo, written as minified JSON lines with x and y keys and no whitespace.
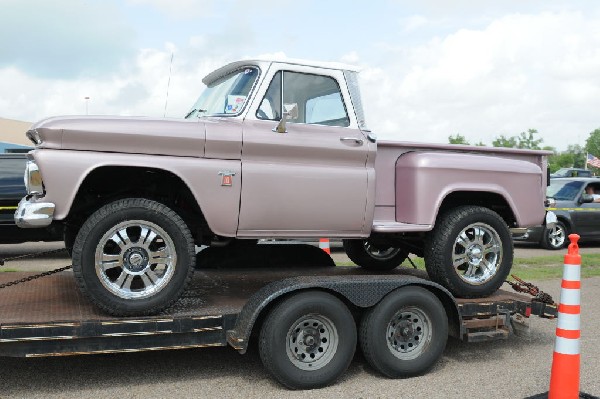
{"x":440,"y":248}
{"x":373,"y":339}
{"x":546,"y":238}
{"x":273,"y":346}
{"x":357,"y":253}
{"x":106,"y":218}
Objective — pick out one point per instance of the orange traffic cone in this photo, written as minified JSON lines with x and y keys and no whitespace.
{"x":324,"y":245}
{"x":564,"y":377}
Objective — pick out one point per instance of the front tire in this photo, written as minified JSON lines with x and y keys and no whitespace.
{"x":405,"y":334}
{"x":133,"y":257}
{"x":308,"y":340}
{"x":470,"y":251}
{"x":554,"y":238}
{"x":374,"y":256}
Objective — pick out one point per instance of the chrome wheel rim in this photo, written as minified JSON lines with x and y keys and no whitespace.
{"x":557,"y":236}
{"x":408,"y":333}
{"x":380,"y":254}
{"x":312,"y":342}
{"x":135,"y":259}
{"x":477,"y":253}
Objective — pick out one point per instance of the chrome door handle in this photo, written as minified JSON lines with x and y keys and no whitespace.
{"x":352,"y":139}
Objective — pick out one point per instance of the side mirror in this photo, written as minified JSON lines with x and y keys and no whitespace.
{"x":586,"y":198}
{"x":290,"y":111}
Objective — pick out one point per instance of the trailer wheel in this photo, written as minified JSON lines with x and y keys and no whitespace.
{"x":373,"y":256}
{"x":470,"y":251}
{"x":405,"y":334}
{"x":554,"y":238}
{"x":308,"y":340}
{"x":133,"y":257}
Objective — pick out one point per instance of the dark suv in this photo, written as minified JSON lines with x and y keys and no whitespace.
{"x":576,"y":211}
{"x":12,"y":189}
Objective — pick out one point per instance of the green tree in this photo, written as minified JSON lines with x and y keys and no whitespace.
{"x":503,"y":141}
{"x":578,"y":153}
{"x":457,"y":139}
{"x":527,"y":140}
{"x":573,"y":157}
{"x":480,"y":144}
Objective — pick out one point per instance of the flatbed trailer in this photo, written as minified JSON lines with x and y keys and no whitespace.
{"x":50,"y":317}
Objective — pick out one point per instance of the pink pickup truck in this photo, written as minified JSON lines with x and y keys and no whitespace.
{"x":271,"y":150}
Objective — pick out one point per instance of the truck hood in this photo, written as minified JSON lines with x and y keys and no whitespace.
{"x":134,"y":135}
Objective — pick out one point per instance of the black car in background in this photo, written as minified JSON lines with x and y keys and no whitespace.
{"x":576,"y":211}
{"x":12,"y":189}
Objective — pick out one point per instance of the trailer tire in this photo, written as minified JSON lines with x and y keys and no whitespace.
{"x":469,"y":252}
{"x":405,"y":334}
{"x":308,"y":340}
{"x":370,"y":256}
{"x":133,"y":257}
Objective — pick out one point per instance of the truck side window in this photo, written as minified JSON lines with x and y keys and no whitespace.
{"x":318,"y":99}
{"x":270,"y":106}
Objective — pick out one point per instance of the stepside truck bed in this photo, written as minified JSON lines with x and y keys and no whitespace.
{"x":49,"y":316}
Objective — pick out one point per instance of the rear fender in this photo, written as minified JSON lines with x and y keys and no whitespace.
{"x":425,"y":179}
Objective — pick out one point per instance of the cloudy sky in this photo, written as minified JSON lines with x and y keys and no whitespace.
{"x":430,"y":68}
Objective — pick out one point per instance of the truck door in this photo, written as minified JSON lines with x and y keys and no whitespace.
{"x":314,"y":179}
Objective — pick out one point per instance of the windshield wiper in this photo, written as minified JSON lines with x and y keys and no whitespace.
{"x":193,"y":111}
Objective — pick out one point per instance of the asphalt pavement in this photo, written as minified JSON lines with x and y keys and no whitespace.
{"x":512,"y":368}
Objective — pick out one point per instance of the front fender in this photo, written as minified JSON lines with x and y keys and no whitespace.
{"x":64,"y":171}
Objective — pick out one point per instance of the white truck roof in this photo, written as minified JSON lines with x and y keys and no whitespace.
{"x":264,"y":62}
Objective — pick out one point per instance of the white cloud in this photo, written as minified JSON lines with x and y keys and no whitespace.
{"x":414,"y":22}
{"x":519,"y":72}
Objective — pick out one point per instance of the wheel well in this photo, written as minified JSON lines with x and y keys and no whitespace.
{"x":447,"y":301}
{"x":568,"y":224}
{"x":256,"y":326}
{"x":493,"y":201}
{"x":110,"y":183}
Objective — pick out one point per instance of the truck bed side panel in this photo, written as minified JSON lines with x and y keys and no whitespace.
{"x":424,"y":179}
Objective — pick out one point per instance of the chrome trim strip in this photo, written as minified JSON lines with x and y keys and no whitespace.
{"x":157,"y":348}
{"x":132,"y":334}
{"x":54,"y":338}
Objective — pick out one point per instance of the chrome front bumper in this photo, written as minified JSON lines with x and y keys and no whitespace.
{"x":31,"y":214}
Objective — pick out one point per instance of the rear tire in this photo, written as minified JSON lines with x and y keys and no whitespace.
{"x":469,"y":251}
{"x":308,"y":340}
{"x":371,"y":256}
{"x":133,"y":257}
{"x":555,"y":238}
{"x":405,"y":334}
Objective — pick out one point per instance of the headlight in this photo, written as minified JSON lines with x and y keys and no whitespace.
{"x":34,"y":136}
{"x":33,"y":179}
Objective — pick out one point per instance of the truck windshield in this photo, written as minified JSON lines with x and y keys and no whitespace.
{"x":226,"y":95}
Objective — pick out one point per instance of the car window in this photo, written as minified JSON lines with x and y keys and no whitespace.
{"x":564,"y":190}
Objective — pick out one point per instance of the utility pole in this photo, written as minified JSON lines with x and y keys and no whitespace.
{"x":87,"y":100}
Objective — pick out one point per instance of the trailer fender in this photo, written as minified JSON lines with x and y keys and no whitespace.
{"x":361,"y":291}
